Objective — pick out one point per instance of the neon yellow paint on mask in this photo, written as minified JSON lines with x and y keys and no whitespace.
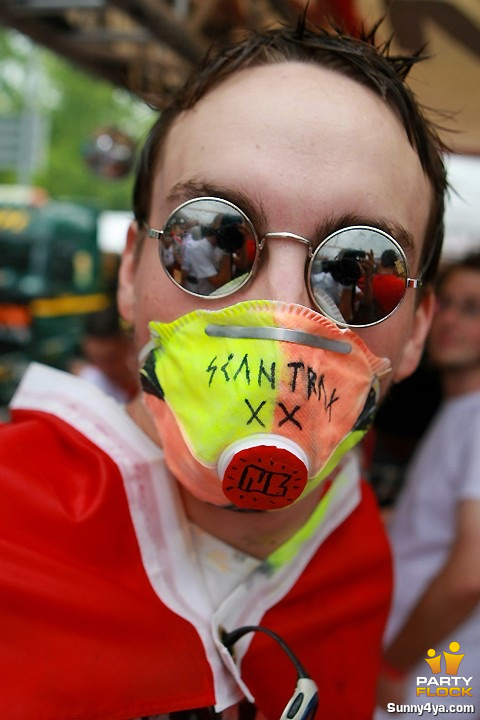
{"x":257,"y":402}
{"x":224,"y":377}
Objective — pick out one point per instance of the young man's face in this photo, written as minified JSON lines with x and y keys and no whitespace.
{"x":454,"y":342}
{"x":304,"y":147}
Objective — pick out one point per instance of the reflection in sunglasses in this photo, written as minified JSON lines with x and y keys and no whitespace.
{"x":357,"y":276}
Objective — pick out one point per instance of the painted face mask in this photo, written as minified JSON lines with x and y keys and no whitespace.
{"x":256,"y":403}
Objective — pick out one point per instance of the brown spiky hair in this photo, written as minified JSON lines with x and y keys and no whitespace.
{"x":360,"y":58}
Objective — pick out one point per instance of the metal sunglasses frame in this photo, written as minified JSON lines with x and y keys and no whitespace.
{"x":413,"y":283}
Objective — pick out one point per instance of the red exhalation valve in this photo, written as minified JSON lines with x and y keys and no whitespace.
{"x":263,"y":472}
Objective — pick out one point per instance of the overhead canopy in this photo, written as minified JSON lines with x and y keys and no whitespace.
{"x":151,"y":45}
{"x":449,"y":81}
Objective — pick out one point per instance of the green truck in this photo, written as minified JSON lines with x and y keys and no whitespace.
{"x":52,"y":275}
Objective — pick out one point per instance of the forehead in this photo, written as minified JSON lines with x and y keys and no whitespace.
{"x":283,"y":101}
{"x":462,"y":282}
{"x":299,"y":138}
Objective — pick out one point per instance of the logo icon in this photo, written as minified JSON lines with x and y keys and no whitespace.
{"x":452,"y":660}
{"x":445,"y":679}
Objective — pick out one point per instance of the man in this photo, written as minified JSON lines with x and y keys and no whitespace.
{"x":436,"y":527}
{"x":387,"y":287}
{"x":109,"y":359}
{"x":205,"y":265}
{"x":147,"y":563}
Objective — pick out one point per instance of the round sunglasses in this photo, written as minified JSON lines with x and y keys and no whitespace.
{"x":357,"y":276}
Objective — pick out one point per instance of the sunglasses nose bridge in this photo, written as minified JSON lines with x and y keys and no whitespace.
{"x":282,"y":260}
{"x":283,"y":235}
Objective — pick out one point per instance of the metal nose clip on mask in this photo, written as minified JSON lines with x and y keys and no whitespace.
{"x":256,"y":403}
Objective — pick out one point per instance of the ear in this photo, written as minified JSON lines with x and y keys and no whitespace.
{"x":126,"y":274}
{"x":413,"y":348}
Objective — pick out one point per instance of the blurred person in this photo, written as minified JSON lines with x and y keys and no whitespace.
{"x":213,"y":551}
{"x":205,"y":266}
{"x":169,"y":255}
{"x":387,"y":286}
{"x":109,"y":356}
{"x":435,"y":530}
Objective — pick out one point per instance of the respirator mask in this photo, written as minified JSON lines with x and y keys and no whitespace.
{"x":256,"y":403}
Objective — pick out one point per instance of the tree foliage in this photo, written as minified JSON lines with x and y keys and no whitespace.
{"x":72,"y":106}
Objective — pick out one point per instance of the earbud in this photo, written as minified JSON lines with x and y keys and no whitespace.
{"x":304,"y":701}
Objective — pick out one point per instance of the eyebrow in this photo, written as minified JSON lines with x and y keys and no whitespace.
{"x":395,"y":230}
{"x":190,"y":189}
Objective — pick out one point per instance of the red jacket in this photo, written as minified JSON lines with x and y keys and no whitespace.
{"x":85,"y":635}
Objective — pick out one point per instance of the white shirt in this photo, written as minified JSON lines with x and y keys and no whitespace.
{"x":445,"y":471}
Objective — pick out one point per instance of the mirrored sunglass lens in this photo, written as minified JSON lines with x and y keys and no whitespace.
{"x":358,"y":276}
{"x":208,"y":247}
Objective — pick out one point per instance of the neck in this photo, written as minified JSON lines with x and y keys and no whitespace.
{"x":256,"y":534}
